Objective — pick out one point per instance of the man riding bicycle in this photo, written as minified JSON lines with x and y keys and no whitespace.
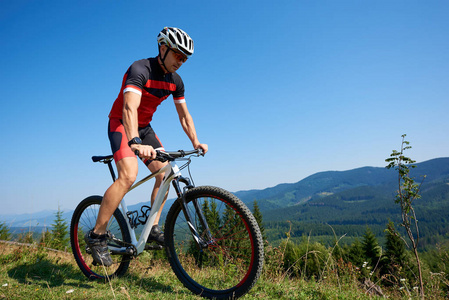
{"x":145,"y":85}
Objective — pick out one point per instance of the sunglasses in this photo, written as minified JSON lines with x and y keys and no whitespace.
{"x":178,"y":55}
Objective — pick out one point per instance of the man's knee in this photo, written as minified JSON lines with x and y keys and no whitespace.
{"x":127,"y":179}
{"x":159,"y":178}
{"x":127,"y":171}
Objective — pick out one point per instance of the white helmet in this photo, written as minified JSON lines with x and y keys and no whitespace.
{"x":176,"y":38}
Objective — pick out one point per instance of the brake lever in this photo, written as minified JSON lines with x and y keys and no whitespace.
{"x":162,"y":156}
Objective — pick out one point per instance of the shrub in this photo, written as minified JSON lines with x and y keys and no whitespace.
{"x":307,"y":260}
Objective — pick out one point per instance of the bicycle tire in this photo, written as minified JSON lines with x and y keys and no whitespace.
{"x":230,"y":266}
{"x":83,"y":220}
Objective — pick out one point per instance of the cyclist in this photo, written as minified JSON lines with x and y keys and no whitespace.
{"x":145,"y":85}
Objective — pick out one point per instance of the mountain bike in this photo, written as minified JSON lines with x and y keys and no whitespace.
{"x":212,"y":241}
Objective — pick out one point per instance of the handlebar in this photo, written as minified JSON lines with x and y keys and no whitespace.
{"x":173,"y":155}
{"x":160,"y":155}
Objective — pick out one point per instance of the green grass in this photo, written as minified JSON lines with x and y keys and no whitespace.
{"x":35,"y":273}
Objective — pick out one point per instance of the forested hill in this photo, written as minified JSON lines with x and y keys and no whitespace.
{"x":329,"y":183}
{"x":350,"y":200}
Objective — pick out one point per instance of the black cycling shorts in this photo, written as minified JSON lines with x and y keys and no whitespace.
{"x":119,"y":140}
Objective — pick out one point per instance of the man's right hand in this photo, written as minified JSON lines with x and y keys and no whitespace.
{"x":145,"y":151}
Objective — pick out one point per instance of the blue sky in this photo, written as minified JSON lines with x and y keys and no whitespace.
{"x":278,"y":89}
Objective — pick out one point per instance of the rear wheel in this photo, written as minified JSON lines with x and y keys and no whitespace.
{"x":229,"y":266}
{"x":83,"y":220}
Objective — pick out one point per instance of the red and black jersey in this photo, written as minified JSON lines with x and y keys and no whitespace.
{"x":146,"y":78}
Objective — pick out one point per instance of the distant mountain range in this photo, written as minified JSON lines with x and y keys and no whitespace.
{"x":350,"y":200}
{"x":42,"y":219}
{"x":331,"y":184}
{"x":362,"y":196}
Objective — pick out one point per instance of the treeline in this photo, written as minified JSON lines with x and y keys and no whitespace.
{"x":380,"y":255}
{"x":56,"y":237}
{"x":431,"y":233}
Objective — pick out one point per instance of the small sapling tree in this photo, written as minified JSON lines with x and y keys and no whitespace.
{"x":407,"y":193}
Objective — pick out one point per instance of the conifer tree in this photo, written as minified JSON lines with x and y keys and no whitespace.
{"x":206,"y":212}
{"x":371,"y":247}
{"x":59,"y":231}
{"x":228,"y":221}
{"x":356,"y":253}
{"x":395,"y":260}
{"x":213,"y":217}
{"x":259,"y":218}
{"x":4,"y":232}
{"x":234,"y":231}
{"x":394,"y":246}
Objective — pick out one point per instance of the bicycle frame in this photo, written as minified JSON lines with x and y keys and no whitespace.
{"x":171,"y":171}
{"x":172,"y":174}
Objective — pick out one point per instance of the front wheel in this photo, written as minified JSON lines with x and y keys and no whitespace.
{"x":232,"y":262}
{"x":83,"y":220}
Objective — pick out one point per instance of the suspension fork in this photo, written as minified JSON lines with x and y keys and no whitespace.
{"x":202,"y":242}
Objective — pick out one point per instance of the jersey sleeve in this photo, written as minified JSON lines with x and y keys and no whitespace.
{"x":136,"y":77}
{"x":178,"y":94}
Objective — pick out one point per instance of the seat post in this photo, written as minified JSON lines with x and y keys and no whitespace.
{"x":111,"y":170}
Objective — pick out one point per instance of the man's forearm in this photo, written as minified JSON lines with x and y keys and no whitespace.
{"x":189,"y":129}
{"x":130,"y":123}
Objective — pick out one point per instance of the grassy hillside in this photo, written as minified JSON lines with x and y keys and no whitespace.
{"x":36,"y":273}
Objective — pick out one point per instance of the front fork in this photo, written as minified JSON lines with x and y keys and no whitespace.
{"x":202,"y":241}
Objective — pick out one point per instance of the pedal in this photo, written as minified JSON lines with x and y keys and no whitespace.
{"x":153,"y":247}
